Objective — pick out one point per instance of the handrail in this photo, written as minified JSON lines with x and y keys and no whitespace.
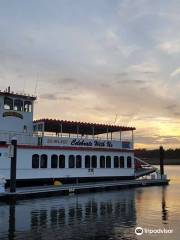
{"x":146,"y":164}
{"x":35,"y":138}
{"x":62,"y":136}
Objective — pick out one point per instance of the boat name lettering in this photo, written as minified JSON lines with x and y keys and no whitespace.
{"x":109,"y":144}
{"x":99,"y":143}
{"x":81,"y":143}
{"x":57,"y":141}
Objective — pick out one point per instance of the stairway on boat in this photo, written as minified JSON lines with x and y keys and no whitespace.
{"x":144,"y":169}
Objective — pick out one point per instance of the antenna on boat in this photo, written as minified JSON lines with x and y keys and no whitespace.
{"x":36,"y":86}
{"x":115,"y":119}
{"x":130,"y":120}
{"x":24,"y":84}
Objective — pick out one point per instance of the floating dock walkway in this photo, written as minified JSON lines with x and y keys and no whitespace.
{"x":46,"y":191}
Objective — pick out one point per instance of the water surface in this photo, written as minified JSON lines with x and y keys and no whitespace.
{"x":103,"y":215}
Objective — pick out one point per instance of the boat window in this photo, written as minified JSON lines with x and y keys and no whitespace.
{"x":94,"y":162}
{"x":27,"y":106}
{"x":116,"y":161}
{"x":129,"y":162}
{"x":8,"y":103}
{"x":54,"y":161}
{"x":35,"y":161}
{"x":44,"y":161}
{"x":18,"y":105}
{"x":87,"y":161}
{"x":108,"y":162}
{"x":122,"y":162}
{"x":61,"y":161}
{"x":78,"y":161}
{"x":71,"y":161}
{"x":102,"y":162}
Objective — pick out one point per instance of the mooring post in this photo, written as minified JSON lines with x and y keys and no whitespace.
{"x":13,"y":165}
{"x":161,"y":158}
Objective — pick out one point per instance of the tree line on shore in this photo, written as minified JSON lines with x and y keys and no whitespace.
{"x":169,"y":153}
{"x":172,"y":156}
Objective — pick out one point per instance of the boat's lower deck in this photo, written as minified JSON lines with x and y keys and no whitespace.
{"x":67,"y":165}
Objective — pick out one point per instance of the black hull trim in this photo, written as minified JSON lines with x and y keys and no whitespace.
{"x":48,"y":181}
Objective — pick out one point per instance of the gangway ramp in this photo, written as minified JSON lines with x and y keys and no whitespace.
{"x":145,"y":168}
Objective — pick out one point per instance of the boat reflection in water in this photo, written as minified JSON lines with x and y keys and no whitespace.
{"x":101,"y":215}
{"x":164,"y":207}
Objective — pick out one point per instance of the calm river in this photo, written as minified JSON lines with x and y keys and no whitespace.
{"x":104,"y":215}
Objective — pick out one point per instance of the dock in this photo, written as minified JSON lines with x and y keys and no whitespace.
{"x":51,"y":190}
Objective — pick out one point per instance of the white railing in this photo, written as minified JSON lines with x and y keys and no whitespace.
{"x":22,"y":138}
{"x":38,"y":139}
{"x":96,"y":137}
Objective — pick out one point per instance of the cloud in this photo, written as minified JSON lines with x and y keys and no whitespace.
{"x":101,"y":61}
{"x":132,"y":81}
{"x":158,"y":140}
{"x":175,"y":72}
{"x":171,"y":107}
{"x":168,"y":140}
{"x":54,"y":97}
{"x":95,"y":59}
{"x":49,"y":96}
{"x":176,"y":114}
{"x":120,"y":74}
{"x":147,"y":67}
{"x":68,"y":80}
{"x":170,"y":47}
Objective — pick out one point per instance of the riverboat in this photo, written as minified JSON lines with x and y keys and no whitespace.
{"x":68,"y":151}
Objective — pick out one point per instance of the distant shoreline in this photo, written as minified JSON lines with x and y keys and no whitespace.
{"x":155,"y":161}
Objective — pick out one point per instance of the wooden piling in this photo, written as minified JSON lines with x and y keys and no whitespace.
{"x":13,"y":166}
{"x":161,"y":160}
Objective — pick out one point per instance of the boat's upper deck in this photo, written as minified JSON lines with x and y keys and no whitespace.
{"x":74,"y":134}
{"x":66,"y":141}
{"x":78,"y":128}
{"x":16,"y":121}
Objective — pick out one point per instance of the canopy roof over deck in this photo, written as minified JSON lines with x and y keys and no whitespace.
{"x":83,"y":128}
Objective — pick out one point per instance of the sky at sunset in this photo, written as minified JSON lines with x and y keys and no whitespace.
{"x":105,"y":61}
